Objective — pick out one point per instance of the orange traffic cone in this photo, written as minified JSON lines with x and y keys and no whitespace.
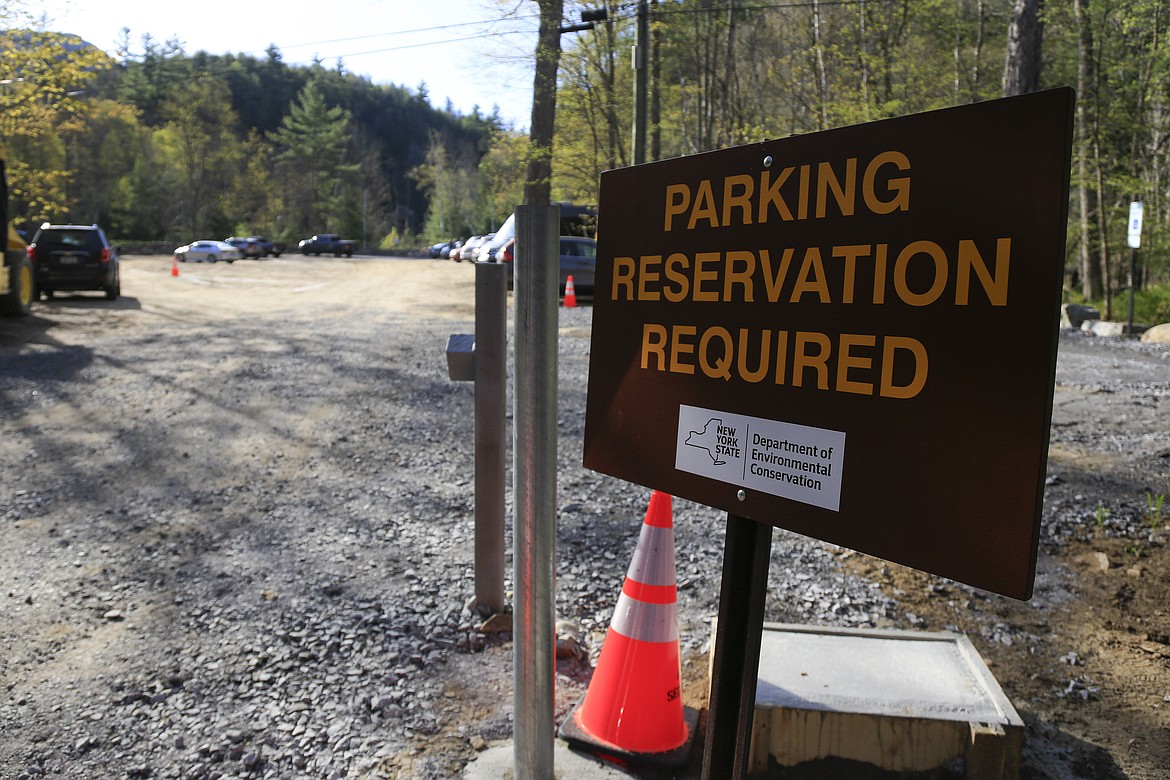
{"x":570,"y":293}
{"x":174,"y":266}
{"x":633,"y":708}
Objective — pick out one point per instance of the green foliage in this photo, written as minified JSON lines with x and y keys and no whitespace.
{"x":1151,"y":305}
{"x":501,"y":171}
{"x":1155,"y":514}
{"x":390,"y":241}
{"x":312,"y":157}
{"x":451,"y":178}
{"x":175,"y":146}
{"x":199,"y":140}
{"x":40,"y":99}
{"x":166,"y":144}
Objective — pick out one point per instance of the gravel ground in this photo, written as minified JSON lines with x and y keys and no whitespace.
{"x":236,"y":520}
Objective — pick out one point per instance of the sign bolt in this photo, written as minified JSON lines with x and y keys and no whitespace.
{"x":768,"y":161}
{"x":742,"y":496}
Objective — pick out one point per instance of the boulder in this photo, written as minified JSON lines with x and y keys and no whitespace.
{"x":1103,"y":328}
{"x":1108,"y":328}
{"x":1159,"y":334}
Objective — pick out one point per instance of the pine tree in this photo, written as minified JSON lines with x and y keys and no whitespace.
{"x":312,"y":159}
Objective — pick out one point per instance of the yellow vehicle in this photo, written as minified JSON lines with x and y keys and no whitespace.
{"x":16,"y":273}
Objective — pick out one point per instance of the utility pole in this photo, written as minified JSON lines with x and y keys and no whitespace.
{"x":641,"y":69}
{"x":655,"y":106}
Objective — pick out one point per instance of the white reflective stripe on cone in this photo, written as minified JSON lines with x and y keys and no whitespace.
{"x":645,"y":622}
{"x":653,"y":562}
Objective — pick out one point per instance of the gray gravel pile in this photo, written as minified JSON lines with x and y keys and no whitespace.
{"x":244,"y":549}
{"x":257,"y":561}
{"x":1121,"y":382}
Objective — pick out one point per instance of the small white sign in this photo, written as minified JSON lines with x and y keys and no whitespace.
{"x":1135,"y":225}
{"x":779,"y":458}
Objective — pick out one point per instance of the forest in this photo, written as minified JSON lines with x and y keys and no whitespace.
{"x":156,"y":143}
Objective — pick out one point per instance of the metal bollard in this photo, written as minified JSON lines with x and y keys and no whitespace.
{"x":491,"y":392}
{"x":480,"y":358}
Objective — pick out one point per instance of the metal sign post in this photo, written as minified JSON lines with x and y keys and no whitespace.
{"x":1134,"y":239}
{"x":736,"y":658}
{"x":535,"y":487}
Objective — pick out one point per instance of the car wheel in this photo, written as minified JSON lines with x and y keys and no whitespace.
{"x":113,"y":290}
{"x":212,"y":259}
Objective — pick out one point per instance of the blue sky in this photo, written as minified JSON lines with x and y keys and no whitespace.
{"x":473,"y":52}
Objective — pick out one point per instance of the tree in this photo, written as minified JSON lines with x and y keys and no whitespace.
{"x":538,"y":180}
{"x":101,"y":144}
{"x":153,"y":74}
{"x":255,"y":201}
{"x":1021,"y":71}
{"x":45,"y":76}
{"x":451,"y":180}
{"x":594,"y":108}
{"x":501,"y":170}
{"x":200,"y":137}
{"x":312,"y":144}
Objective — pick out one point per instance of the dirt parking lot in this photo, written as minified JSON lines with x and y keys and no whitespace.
{"x":235,"y":525}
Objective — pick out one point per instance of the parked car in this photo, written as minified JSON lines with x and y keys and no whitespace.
{"x":267,"y":247}
{"x":248,"y":247}
{"x":453,"y":252}
{"x":208,"y":251}
{"x":441,"y":249}
{"x":327,"y":244}
{"x":468,"y":250}
{"x":578,"y":259}
{"x":74,"y":257}
{"x":487,"y":250}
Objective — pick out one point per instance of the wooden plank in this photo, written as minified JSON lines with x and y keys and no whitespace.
{"x":845,"y":693}
{"x":994,"y":752}
{"x":894,"y":744}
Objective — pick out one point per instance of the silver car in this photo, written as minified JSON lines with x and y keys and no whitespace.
{"x":468,"y":250}
{"x":208,"y":252}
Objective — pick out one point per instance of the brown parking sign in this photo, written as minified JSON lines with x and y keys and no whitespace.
{"x":848,"y":334}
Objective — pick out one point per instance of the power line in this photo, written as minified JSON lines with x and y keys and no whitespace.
{"x":437,"y":28}
{"x":406,"y":46}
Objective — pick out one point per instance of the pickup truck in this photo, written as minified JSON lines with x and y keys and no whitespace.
{"x":327,"y":244}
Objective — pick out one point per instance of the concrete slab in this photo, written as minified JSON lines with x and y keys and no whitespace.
{"x":498,"y":763}
{"x":903,"y":673}
{"x":902,"y":700}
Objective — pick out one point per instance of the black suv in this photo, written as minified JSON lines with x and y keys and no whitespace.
{"x":74,"y":257}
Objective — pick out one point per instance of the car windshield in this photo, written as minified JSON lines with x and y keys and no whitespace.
{"x":506,"y":231}
{"x":578,"y":249}
{"x":70,"y":239}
